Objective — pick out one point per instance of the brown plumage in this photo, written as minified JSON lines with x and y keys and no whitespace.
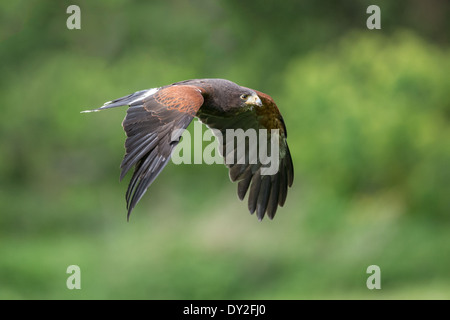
{"x":155,"y":115}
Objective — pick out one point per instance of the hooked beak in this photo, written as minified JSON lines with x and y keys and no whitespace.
{"x":254,"y":100}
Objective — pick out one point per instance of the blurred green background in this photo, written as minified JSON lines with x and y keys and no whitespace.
{"x":367,"y":113}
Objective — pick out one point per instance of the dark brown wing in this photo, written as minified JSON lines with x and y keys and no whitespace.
{"x":267,"y":192}
{"x":154,"y":123}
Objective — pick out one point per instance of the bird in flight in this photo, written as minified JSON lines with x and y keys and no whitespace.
{"x":156,"y":118}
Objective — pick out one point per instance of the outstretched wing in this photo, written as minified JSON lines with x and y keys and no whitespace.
{"x":268,"y":188}
{"x":154,"y":123}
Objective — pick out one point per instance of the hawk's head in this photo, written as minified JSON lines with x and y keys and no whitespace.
{"x":250,"y":98}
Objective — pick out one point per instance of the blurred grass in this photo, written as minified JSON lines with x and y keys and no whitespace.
{"x":368,"y":126}
{"x":171,"y":255}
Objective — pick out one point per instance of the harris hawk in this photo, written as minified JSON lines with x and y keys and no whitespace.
{"x":157,"y":117}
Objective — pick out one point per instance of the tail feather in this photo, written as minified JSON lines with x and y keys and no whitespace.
{"x":131,"y":99}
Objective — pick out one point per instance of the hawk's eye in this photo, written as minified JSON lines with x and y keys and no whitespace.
{"x":244,"y":96}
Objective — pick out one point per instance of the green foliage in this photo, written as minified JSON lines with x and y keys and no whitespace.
{"x":371,"y":117}
{"x":367,"y":114}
